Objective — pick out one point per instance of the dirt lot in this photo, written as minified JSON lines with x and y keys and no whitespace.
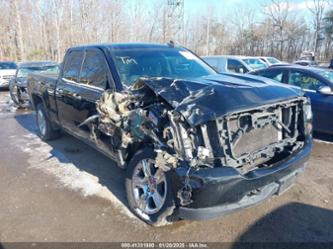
{"x":66,"y":191}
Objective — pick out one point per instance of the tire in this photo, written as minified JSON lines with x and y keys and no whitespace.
{"x":151,"y":201}
{"x":44,"y":125}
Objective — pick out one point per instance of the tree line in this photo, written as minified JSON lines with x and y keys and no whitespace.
{"x":44,"y":29}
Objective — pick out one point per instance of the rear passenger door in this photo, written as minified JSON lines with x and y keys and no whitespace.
{"x":81,"y":96}
{"x":67,"y":89}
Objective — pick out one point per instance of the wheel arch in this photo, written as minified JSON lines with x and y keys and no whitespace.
{"x":36,"y":100}
{"x":134,"y":147}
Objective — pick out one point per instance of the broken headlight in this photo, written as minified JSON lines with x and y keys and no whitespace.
{"x":308,"y":116}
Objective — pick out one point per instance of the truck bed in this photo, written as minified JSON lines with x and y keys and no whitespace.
{"x":43,"y":84}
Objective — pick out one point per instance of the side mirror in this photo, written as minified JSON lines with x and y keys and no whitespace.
{"x":241,"y":70}
{"x":325,"y":90}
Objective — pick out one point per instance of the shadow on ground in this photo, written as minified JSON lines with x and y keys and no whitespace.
{"x":294,"y":222}
{"x":68,"y":149}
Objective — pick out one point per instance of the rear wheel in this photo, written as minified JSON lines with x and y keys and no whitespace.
{"x":44,"y":125}
{"x":149,"y":190}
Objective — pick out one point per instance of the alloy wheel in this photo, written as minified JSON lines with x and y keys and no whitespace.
{"x":149,"y":187}
{"x":41,"y":122}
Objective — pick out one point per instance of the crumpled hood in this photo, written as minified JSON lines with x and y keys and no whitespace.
{"x":207,"y":98}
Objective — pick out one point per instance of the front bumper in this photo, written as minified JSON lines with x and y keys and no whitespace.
{"x":220,"y":191}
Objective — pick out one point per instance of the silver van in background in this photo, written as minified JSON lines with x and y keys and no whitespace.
{"x":235,"y":64}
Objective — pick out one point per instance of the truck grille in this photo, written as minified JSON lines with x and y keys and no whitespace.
{"x":256,"y":139}
{"x":248,"y":139}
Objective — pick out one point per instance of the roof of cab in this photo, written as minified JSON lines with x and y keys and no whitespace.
{"x":123,"y":46}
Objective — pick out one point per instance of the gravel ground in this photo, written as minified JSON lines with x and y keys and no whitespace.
{"x":65,"y":191}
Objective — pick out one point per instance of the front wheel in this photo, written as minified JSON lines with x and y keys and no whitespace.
{"x":149,"y":190}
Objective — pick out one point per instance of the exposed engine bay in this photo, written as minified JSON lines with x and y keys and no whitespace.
{"x":244,"y":140}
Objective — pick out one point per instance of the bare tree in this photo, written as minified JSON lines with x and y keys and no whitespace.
{"x":18,"y":30}
{"x":317,"y":9}
{"x":42,"y":29}
{"x":278,"y":12}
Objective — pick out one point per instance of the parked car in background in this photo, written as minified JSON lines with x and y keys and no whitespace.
{"x":195,"y":144}
{"x":18,"y":84}
{"x":235,"y":64}
{"x":270,"y":60}
{"x":317,"y":84}
{"x":306,"y":63}
{"x":7,"y":72}
{"x":253,"y":62}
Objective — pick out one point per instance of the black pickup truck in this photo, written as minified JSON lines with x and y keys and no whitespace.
{"x":195,"y":144}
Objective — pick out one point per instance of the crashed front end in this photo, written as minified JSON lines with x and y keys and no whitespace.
{"x":220,"y":165}
{"x":244,"y":158}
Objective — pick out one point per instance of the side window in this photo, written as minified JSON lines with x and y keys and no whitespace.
{"x":94,"y":71}
{"x":274,"y":75}
{"x":236,"y":66}
{"x":304,"y":81}
{"x":73,"y":66}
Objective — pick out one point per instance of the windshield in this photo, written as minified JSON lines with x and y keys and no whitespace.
{"x":325,"y":73}
{"x":8,"y":65}
{"x":254,"y":63}
{"x":23,"y":72}
{"x":162,"y":62}
{"x":273,"y":60}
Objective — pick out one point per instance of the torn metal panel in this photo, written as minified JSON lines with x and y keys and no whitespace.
{"x":214,"y":96}
{"x":120,"y":117}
